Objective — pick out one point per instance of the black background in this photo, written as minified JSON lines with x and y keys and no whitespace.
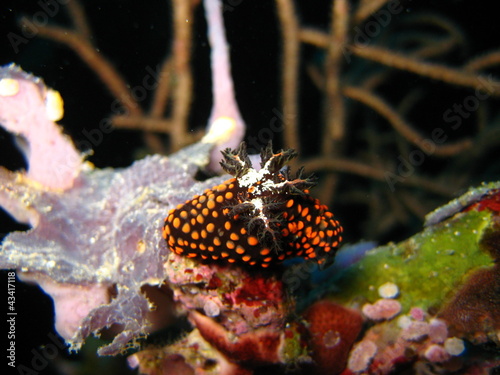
{"x":136,"y":34}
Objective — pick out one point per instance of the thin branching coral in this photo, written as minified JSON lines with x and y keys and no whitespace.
{"x":375,"y":69}
{"x":360,"y":64}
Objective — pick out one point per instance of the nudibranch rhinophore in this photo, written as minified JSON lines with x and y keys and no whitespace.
{"x":258,"y":217}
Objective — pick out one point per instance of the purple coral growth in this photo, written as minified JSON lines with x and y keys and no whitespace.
{"x":96,"y":234}
{"x":96,"y":247}
{"x":101,"y":235}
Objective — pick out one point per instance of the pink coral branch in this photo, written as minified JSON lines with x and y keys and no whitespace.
{"x":28,"y":109}
{"x":72,"y":302}
{"x":226,"y":127}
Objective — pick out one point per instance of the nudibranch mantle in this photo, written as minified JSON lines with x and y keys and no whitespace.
{"x":257,"y":218}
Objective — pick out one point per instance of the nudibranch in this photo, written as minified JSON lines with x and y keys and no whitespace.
{"x":258,"y":217}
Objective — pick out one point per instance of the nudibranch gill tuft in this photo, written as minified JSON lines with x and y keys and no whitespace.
{"x":257,"y":218}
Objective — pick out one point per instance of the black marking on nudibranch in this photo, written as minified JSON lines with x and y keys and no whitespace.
{"x":255,"y":218}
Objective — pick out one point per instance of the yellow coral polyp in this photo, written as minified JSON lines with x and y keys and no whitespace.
{"x":54,"y":105}
{"x":9,"y":87}
{"x":221,"y":130}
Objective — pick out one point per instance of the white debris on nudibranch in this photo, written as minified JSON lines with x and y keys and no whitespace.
{"x":9,"y":87}
{"x":54,"y":105}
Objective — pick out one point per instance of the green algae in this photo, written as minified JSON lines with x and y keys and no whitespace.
{"x":428,"y":267}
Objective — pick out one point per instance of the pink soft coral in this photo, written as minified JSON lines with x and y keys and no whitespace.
{"x":28,"y":109}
